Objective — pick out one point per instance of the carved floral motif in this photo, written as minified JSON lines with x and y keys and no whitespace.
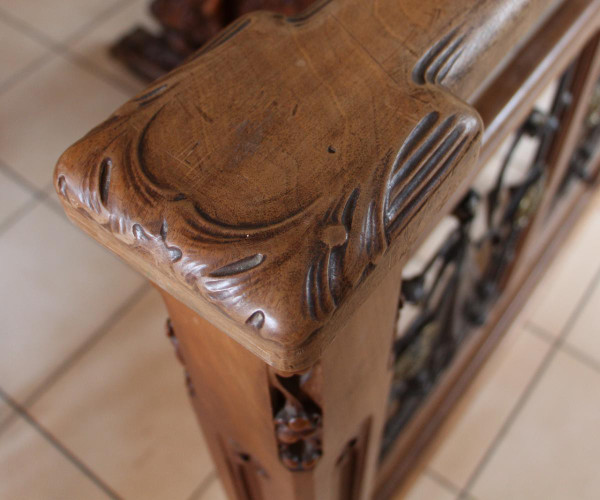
{"x":297,"y":419}
{"x":274,"y":232}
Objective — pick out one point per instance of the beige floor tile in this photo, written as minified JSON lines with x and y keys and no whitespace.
{"x":47,"y":112}
{"x":95,"y":45}
{"x":17,"y":51}
{"x":475,"y":422}
{"x":425,"y":488}
{"x":5,"y":412}
{"x":552,"y":450}
{"x":215,"y":492}
{"x":559,"y":292}
{"x":33,"y":469}
{"x":123,"y":409}
{"x":595,"y":201}
{"x":59,"y":20}
{"x":58,"y":288}
{"x":12,"y":196}
{"x":585,"y":334}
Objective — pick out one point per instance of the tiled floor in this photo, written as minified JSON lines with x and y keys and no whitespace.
{"x":92,"y":403}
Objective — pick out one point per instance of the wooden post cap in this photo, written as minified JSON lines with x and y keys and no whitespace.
{"x":269,"y":181}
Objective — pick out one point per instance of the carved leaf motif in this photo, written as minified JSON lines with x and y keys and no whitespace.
{"x":239,"y":213}
{"x":438,"y":61}
{"x":297,"y":420}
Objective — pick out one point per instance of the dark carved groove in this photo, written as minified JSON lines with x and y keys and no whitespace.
{"x":437,"y":62}
{"x":223,"y":36}
{"x":140,"y":154}
{"x":62,"y":185}
{"x":309,"y":291}
{"x":246,"y":472}
{"x":308,"y":13}
{"x":175,"y":253}
{"x":177,"y":347}
{"x":404,"y":171}
{"x":350,"y":464}
{"x":139,"y":233}
{"x":148,"y":97}
{"x":348,"y":212}
{"x":257,"y":320}
{"x":426,"y":189}
{"x":104,"y":181}
{"x":421,"y":162}
{"x":435,"y":161}
{"x":241,"y":266}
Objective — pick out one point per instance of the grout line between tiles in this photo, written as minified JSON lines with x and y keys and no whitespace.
{"x":29,"y":69}
{"x":62,"y":48}
{"x":203,"y":487}
{"x":19,"y":213}
{"x":442,"y":481}
{"x":531,"y":386}
{"x":50,"y":438}
{"x":80,"y":351}
{"x":25,"y":28}
{"x":18,"y":178}
{"x":110,"y":11}
{"x":38,"y":194}
{"x":89,"y":66}
{"x":539,"y":332}
{"x":581,"y":356}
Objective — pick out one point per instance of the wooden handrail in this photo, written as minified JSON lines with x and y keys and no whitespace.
{"x":272,"y":181}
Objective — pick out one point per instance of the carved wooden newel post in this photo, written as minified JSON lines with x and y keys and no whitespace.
{"x":304,"y":435}
{"x":273,"y":187}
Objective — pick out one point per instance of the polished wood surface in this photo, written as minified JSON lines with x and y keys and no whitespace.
{"x":258,"y":197}
{"x":275,"y":186}
{"x":293,"y":436}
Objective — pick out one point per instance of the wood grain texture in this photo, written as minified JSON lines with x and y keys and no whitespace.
{"x":263,"y":182}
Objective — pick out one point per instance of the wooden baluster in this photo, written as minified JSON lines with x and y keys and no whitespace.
{"x":293,"y":436}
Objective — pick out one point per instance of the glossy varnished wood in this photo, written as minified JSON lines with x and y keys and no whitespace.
{"x":271,"y":181}
{"x":239,"y":400}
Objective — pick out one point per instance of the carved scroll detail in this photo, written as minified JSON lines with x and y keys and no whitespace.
{"x":297,"y":418}
{"x":437,"y":62}
{"x":430,"y":150}
{"x":276,"y":238}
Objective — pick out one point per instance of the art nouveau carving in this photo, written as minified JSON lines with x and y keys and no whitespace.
{"x":298,"y":419}
{"x":438,"y":61}
{"x":268,"y":213}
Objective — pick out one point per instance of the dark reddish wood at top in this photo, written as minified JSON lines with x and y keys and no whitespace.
{"x":271,"y":181}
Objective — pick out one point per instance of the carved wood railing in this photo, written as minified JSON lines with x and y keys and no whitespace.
{"x":283,"y":187}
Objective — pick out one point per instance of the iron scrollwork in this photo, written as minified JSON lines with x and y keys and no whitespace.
{"x":458,"y":285}
{"x":581,"y":167}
